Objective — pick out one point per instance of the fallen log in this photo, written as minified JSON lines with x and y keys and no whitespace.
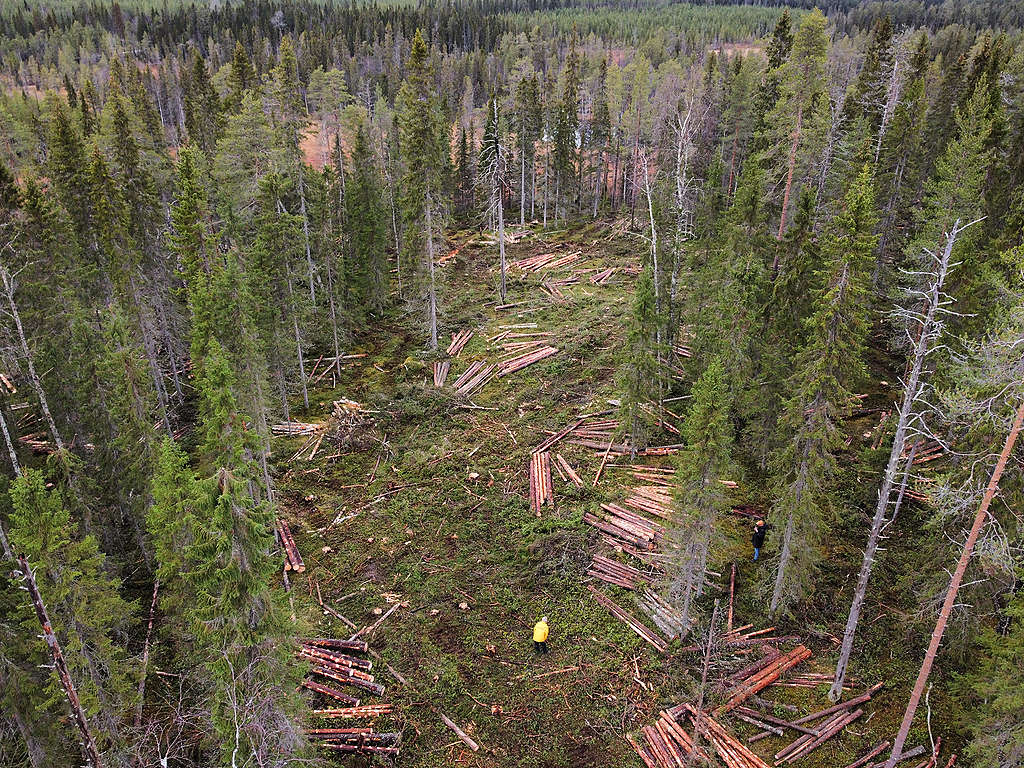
{"x":348,"y":679}
{"x":873,"y":752}
{"x":569,"y":471}
{"x":330,"y":642}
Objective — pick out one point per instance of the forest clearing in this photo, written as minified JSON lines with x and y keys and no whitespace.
{"x":511,"y":384}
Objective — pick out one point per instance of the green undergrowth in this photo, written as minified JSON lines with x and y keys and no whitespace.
{"x":430,"y":508}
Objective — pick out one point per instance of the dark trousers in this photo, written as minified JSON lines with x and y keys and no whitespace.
{"x":541,"y":647}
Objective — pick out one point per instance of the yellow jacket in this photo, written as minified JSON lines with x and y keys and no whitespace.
{"x":540,"y":632}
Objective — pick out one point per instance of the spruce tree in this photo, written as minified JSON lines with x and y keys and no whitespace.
{"x":425,"y":155}
{"x":237,"y":618}
{"x":367,"y":268}
{"x":820,"y":392}
{"x":700,"y":497}
{"x":86,"y":610}
{"x":640,"y":376}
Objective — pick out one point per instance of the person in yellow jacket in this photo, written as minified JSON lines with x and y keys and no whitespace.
{"x":540,"y":636}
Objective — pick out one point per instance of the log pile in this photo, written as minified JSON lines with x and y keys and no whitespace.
{"x":626,"y":526}
{"x":801,"y":724}
{"x":363,"y":740}
{"x":293,"y":560}
{"x":506,"y":367}
{"x":546,"y":261}
{"x":619,"y":574}
{"x":478,"y":374}
{"x":364,"y":712}
{"x":541,"y":491}
{"x":760,"y":680}
{"x":331,"y":693}
{"x":653,"y":499}
{"x":668,"y":744}
{"x":330,"y":663}
{"x":630,"y":621}
{"x":663,"y":614}
{"x":603,"y":276}
{"x":733,"y":753}
{"x":295,"y":429}
{"x":459,"y":340}
{"x":441,"y":368}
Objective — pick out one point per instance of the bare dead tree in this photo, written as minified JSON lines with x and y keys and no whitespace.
{"x":954,"y":588}
{"x":927,"y":326}
{"x":10,"y":285}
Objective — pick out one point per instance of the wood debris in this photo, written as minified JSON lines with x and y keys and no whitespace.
{"x":441,"y":368}
{"x":459,"y":340}
{"x":293,"y":560}
{"x":629,"y":620}
{"x":541,"y":491}
{"x":546,"y":261}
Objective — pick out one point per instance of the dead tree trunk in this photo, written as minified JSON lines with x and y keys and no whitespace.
{"x":37,"y":385}
{"x":954,"y":587}
{"x":931,"y":326}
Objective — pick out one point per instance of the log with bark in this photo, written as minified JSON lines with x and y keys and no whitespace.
{"x":732,"y":751}
{"x":332,"y":693}
{"x":366,"y":711}
{"x":541,"y":490}
{"x":518,"y":363}
{"x":762,"y":679}
{"x":619,"y":574}
{"x":459,"y":341}
{"x":293,"y":560}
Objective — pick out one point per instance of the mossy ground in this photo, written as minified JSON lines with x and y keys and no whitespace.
{"x":434,"y":511}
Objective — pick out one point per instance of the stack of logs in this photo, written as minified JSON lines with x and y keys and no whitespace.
{"x":566,"y":472}
{"x":603,"y":276}
{"x":459,"y":340}
{"x":441,"y":368}
{"x":541,"y":491}
{"x":626,"y":526}
{"x":668,"y":745}
{"x":762,"y":678}
{"x":293,"y":560}
{"x":478,"y":374}
{"x":363,"y":740}
{"x":733,"y":753}
{"x":663,"y":614}
{"x":330,"y":662}
{"x":332,"y":659}
{"x":621,"y":575}
{"x":543,"y":261}
{"x":505,"y":367}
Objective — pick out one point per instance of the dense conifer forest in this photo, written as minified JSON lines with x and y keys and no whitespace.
{"x":402,"y":383}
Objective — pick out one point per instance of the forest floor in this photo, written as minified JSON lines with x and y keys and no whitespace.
{"x":426,"y":503}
